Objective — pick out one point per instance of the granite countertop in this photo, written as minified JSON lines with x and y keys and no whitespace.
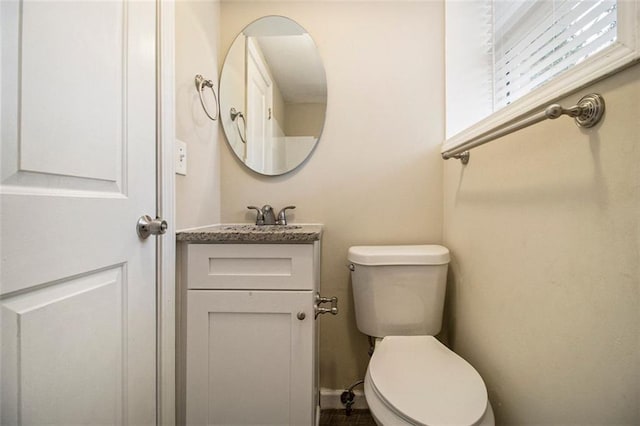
{"x":249,"y":233}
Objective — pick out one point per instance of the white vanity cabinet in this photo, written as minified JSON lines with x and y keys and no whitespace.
{"x":248,"y":333}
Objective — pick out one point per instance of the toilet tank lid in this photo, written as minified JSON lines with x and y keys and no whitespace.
{"x":399,"y":255}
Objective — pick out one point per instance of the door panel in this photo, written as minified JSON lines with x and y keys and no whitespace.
{"x":234,"y":339}
{"x":259,"y":103}
{"x":77,"y":286}
{"x":70,"y":337}
{"x":72,"y":88}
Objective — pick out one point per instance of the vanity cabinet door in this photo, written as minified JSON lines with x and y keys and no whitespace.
{"x":250,"y":357}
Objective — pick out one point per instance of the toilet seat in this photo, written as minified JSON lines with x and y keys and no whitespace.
{"x":425,"y":383}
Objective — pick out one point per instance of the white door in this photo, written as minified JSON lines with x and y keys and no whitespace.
{"x":259,"y":110}
{"x":77,"y":289}
{"x":250,"y":357}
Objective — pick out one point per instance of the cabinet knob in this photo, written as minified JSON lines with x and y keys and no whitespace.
{"x":301,"y":316}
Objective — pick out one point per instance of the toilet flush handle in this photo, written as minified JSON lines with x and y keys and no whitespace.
{"x":333,"y":310}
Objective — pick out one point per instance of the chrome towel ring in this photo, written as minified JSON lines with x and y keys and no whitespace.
{"x":235,"y":114}
{"x":201,"y":83}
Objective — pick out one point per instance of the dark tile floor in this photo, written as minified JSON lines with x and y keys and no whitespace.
{"x":339,"y":418}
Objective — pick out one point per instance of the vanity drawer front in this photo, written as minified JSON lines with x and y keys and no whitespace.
{"x":250,"y":266}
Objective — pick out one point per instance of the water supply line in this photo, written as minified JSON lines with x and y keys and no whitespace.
{"x":348,"y":396}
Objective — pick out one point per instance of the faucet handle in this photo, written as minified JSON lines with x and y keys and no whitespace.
{"x":259,"y":215}
{"x":282,"y":216}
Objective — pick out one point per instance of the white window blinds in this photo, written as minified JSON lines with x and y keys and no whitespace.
{"x":534,"y":41}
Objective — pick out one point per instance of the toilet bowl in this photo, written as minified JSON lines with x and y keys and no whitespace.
{"x":412,"y":378}
{"x":416,"y":380}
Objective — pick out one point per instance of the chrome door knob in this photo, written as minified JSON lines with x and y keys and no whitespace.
{"x":148,"y":226}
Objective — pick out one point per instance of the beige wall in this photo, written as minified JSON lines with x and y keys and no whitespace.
{"x":197,"y":39}
{"x":376,"y":174}
{"x":304,"y":119}
{"x":544,"y":286}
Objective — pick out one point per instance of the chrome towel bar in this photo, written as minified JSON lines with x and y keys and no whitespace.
{"x":587,"y":113}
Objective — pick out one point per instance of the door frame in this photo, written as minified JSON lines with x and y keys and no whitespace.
{"x":255,"y":56}
{"x":165,"y":208}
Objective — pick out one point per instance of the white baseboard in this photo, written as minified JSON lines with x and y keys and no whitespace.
{"x":330,"y":399}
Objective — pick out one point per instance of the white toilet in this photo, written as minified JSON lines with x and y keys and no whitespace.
{"x":412,"y":378}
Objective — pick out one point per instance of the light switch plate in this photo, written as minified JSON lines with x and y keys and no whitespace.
{"x":181,"y":157}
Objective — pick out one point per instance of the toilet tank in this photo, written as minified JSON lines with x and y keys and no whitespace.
{"x":399,"y":290}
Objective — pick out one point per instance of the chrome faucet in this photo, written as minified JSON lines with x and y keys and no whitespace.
{"x":269,"y":215}
{"x":282,"y":216}
{"x":266,"y":215}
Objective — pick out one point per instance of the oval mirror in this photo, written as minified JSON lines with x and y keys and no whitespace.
{"x":273,"y":95}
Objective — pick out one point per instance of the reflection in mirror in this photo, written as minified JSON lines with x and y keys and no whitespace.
{"x":273,"y":95}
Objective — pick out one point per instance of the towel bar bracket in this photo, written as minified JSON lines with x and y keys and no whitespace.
{"x":463,"y":157}
{"x":591,"y":110}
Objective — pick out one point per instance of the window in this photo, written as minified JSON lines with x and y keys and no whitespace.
{"x":506,"y":58}
{"x":535,"y":41}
